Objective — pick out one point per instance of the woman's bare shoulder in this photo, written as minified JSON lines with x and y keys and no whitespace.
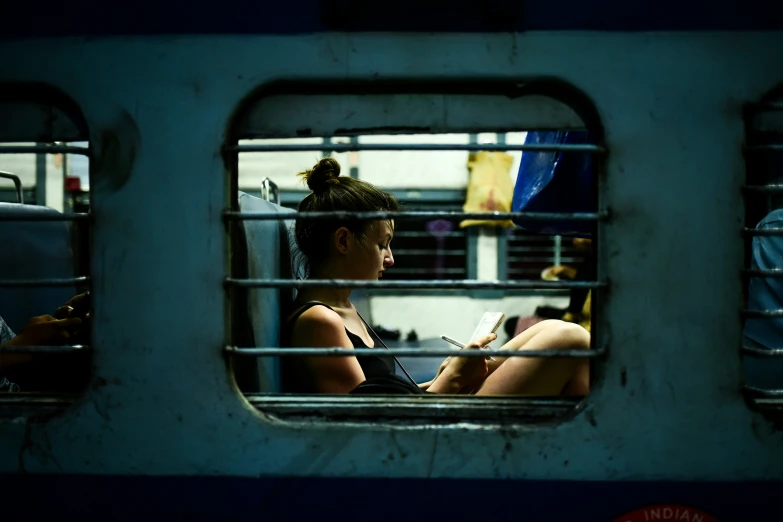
{"x":320,"y":315}
{"x":319,"y":326}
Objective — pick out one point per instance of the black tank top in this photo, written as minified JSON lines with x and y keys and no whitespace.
{"x":292,"y":378}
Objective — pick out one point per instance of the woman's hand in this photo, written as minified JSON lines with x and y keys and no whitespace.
{"x":442,"y":367}
{"x":458,"y":373}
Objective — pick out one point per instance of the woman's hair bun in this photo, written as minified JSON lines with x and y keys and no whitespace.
{"x":323,"y":174}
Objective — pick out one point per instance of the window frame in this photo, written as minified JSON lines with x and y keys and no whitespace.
{"x":758,"y":187}
{"x":261,"y":116}
{"x":45,"y":121}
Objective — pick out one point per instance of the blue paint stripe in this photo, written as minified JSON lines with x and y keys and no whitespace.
{"x":225,"y":498}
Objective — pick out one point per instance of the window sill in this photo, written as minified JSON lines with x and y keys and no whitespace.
{"x":472,"y":294}
{"x":417,"y":409}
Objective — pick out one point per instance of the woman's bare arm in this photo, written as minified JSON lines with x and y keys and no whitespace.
{"x":320,"y":327}
{"x":426,"y":385}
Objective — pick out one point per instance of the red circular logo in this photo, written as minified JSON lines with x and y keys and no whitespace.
{"x":667,"y":513}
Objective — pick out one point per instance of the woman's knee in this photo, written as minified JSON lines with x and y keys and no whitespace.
{"x":568,"y":336}
{"x":575,"y":334}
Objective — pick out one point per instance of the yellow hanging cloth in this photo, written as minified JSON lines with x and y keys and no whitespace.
{"x":489,"y":187}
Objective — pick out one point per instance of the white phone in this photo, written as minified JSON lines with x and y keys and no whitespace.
{"x":489,"y":323}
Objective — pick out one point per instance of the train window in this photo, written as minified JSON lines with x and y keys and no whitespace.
{"x":418,"y":143}
{"x":762,"y":338}
{"x":44,"y":261}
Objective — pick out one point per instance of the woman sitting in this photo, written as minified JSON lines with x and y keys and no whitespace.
{"x":361,"y":250}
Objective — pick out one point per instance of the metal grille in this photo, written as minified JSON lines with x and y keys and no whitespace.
{"x":528,"y":254}
{"x":435,"y":249}
{"x":81,"y":280}
{"x":451,"y":283}
{"x":762,"y":340}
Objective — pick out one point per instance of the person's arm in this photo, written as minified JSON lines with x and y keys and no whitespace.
{"x":320,"y":327}
{"x":458,"y":373}
{"x":9,"y":361}
{"x":43,"y":330}
{"x":426,"y":385}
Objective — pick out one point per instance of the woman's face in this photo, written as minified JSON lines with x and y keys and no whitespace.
{"x":374,"y":255}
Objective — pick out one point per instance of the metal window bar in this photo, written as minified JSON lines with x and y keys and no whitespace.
{"x":762,"y":392}
{"x":426,"y":234}
{"x":762,"y":352}
{"x":429,"y":271}
{"x":772,"y":272}
{"x":44,"y":149}
{"x":54,"y":217}
{"x":528,"y":248}
{"x":445,"y":283}
{"x":762,"y":314}
{"x":43,"y":349}
{"x":764,"y":189}
{"x":549,"y":260}
{"x":768,"y":147}
{"x":62,"y":281}
{"x":525,"y":273}
{"x":408,"y":410}
{"x":429,"y":252}
{"x":358,"y":147}
{"x":532,"y":239}
{"x":416,"y":352}
{"x":763,"y":232}
{"x":415,"y":214}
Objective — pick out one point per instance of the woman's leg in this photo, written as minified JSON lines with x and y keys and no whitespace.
{"x":541,"y":376}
